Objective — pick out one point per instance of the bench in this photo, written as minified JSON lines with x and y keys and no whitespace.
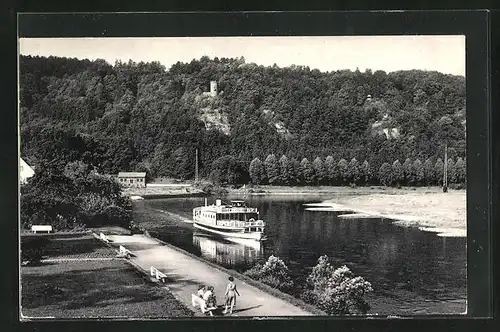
{"x":125,"y":252}
{"x":158,"y":274}
{"x":104,"y":238}
{"x":198,"y":301}
{"x":41,"y":228}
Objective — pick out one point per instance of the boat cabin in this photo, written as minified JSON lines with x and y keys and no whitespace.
{"x":235,"y":215}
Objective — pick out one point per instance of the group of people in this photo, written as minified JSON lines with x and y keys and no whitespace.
{"x":207,"y":294}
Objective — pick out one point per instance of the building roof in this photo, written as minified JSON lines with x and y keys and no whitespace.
{"x":132,"y":174}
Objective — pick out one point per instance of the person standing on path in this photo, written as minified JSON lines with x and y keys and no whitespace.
{"x":231,"y":292}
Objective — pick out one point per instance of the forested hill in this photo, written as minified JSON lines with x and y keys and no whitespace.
{"x":141,"y":116}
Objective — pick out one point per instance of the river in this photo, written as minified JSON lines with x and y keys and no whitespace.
{"x":412,"y":272}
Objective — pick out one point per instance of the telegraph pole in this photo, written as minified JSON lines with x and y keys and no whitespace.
{"x":196,"y":168}
{"x":445,"y":173}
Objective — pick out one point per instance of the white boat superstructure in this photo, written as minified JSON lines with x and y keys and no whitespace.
{"x":234,"y":220}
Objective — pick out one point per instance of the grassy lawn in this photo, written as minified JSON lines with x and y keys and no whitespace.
{"x":72,"y":246}
{"x":91,"y":289}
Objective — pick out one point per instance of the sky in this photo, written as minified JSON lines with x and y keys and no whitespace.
{"x":445,"y":54}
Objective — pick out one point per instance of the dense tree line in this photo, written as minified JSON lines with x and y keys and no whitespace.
{"x":342,"y":172}
{"x":143,"y":117}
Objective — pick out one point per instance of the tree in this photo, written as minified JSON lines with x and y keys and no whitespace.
{"x":319,"y":171}
{"x":307,"y":171}
{"x":48,"y":198}
{"x":354,"y":173}
{"x":337,"y":291}
{"x":397,"y":173}
{"x":180,"y":165}
{"x":429,"y":172}
{"x":365,"y":172}
{"x":76,"y":169}
{"x":285,"y":170}
{"x":452,"y":176}
{"x":330,"y":169}
{"x":418,"y":174}
{"x":407,"y":172}
{"x":439,"y":171}
{"x":256,"y":171}
{"x":228,"y":170}
{"x":295,"y":171}
{"x":385,"y":174}
{"x":343,"y":171}
{"x":91,"y":209}
{"x":460,"y":171}
{"x":145,"y":166}
{"x":272,"y":169}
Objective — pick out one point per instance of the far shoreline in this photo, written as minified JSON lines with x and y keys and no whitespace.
{"x":189,"y":189}
{"x":261,"y":190}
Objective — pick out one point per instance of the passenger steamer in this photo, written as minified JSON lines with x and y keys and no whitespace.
{"x":235,"y":220}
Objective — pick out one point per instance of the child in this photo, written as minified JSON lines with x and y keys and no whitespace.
{"x":231,"y":292}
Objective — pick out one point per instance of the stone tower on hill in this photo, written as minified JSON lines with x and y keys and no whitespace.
{"x":213,"y":88}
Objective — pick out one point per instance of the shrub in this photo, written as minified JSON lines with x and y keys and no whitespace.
{"x":254,"y":271}
{"x":308,"y":296}
{"x":274,"y":273}
{"x":134,"y":228}
{"x":337,"y":291}
{"x":32,"y":249}
{"x":116,"y":215}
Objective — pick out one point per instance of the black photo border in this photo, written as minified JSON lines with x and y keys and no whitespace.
{"x":475,"y":25}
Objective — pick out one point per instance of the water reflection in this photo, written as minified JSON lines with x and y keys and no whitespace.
{"x":225,"y":252}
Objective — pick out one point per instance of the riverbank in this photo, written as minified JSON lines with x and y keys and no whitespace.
{"x":162,"y":191}
{"x":315,"y":190}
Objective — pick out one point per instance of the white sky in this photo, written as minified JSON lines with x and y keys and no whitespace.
{"x":389,"y":53}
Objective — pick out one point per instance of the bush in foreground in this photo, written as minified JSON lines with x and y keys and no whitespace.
{"x":336,"y":291}
{"x":274,"y":273}
{"x":32,"y":249}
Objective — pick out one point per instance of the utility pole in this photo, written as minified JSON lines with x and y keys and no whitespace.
{"x":196,"y":168}
{"x":445,"y":173}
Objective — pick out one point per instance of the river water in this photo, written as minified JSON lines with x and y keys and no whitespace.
{"x":412,"y":272}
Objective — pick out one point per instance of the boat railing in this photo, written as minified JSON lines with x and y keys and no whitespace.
{"x":238,"y":209}
{"x":254,"y":223}
{"x":241,"y":223}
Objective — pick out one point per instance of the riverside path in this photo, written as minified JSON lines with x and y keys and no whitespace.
{"x":185,"y":273}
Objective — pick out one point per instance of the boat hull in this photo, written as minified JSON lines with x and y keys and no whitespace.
{"x":257,"y":236}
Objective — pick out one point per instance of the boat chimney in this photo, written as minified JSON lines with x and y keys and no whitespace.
{"x":218,"y":202}
{"x":206,"y":201}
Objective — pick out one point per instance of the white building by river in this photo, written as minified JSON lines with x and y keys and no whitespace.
{"x":25,"y":171}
